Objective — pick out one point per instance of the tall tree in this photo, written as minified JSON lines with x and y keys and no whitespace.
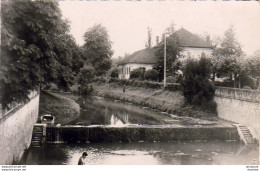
{"x":173,"y":52}
{"x":149,"y":38}
{"x":227,"y":57}
{"x":197,"y":89}
{"x":253,"y":67}
{"x":97,"y":49}
{"x":35,"y":48}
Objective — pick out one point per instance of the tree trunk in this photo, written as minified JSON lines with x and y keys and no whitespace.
{"x":235,"y":80}
{"x":258,"y":87}
{"x":230,"y":77}
{"x":239,"y":81}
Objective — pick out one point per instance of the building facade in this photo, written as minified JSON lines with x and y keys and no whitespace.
{"x":193,"y":47}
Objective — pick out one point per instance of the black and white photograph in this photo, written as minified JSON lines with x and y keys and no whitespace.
{"x":113,"y":82}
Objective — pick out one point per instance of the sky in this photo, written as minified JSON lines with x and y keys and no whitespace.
{"x":127,"y":21}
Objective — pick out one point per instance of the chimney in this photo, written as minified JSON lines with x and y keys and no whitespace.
{"x":157,"y":40}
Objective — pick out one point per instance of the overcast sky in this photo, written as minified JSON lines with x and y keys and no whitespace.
{"x":127,"y":22}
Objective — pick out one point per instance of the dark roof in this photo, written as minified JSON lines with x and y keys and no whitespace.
{"x":145,"y":56}
{"x":187,"y":39}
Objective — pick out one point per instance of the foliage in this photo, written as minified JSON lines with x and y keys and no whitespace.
{"x":114,"y":72}
{"x":36,"y":49}
{"x":174,"y":79}
{"x":86,"y":77}
{"x":228,"y":57}
{"x":149,"y":38}
{"x":137,"y":73}
{"x":197,"y":89}
{"x":151,"y":75}
{"x":173,"y":51}
{"x":252,"y":68}
{"x":145,"y":84}
{"x":97,"y":49}
{"x":247,"y":81}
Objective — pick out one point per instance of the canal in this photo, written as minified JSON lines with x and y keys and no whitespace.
{"x":119,"y":114}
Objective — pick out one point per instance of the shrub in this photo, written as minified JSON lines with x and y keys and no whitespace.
{"x":151,"y":75}
{"x":174,"y":79}
{"x":197,"y":89}
{"x":137,"y":73}
{"x":247,"y":81}
{"x":114,"y":73}
{"x":173,"y":87}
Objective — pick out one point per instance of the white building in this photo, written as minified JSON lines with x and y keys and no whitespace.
{"x":193,"y":46}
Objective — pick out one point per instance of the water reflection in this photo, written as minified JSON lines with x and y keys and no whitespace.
{"x":107,"y":112}
{"x":163,"y":153}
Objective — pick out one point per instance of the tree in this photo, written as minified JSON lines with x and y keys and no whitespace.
{"x":35,"y":48}
{"x":197,"y":89}
{"x":149,"y":39}
{"x":252,"y":68}
{"x":228,"y":57}
{"x":85,"y":78}
{"x":97,"y":49}
{"x":173,"y":52}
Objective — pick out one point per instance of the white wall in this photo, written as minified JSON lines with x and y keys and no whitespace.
{"x":242,"y":112}
{"x":16,"y":131}
{"x":195,"y":53}
{"x":241,"y":106}
{"x":125,"y":70}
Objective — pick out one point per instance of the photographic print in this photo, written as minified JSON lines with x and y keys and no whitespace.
{"x":130,"y":82}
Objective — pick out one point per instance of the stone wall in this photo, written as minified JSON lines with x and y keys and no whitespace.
{"x":240,"y":106}
{"x":16,"y":130}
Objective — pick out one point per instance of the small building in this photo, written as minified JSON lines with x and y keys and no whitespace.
{"x":193,"y":46}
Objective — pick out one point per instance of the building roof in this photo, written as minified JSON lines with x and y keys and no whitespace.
{"x":187,"y":39}
{"x":145,"y":56}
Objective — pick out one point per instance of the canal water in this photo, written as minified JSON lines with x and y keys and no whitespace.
{"x":118,"y":114}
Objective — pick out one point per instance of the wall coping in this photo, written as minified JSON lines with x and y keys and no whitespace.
{"x":12,"y":111}
{"x":238,"y":94}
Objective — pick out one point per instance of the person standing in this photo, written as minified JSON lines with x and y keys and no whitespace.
{"x":82,"y":158}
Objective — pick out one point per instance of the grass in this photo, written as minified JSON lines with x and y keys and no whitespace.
{"x":167,"y":101}
{"x":64,"y":109}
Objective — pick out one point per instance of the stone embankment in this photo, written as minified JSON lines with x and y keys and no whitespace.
{"x":240,"y":106}
{"x":16,"y":130}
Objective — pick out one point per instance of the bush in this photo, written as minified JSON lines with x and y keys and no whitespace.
{"x":174,"y":79}
{"x":247,"y":81}
{"x":197,"y":89}
{"x":173,"y":87}
{"x":151,"y":75}
{"x":114,"y":73}
{"x":137,"y":73}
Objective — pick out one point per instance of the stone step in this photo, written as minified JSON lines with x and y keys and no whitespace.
{"x":246,"y":134}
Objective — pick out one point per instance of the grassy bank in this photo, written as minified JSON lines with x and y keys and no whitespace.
{"x":168,"y":101}
{"x":64,"y":109}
